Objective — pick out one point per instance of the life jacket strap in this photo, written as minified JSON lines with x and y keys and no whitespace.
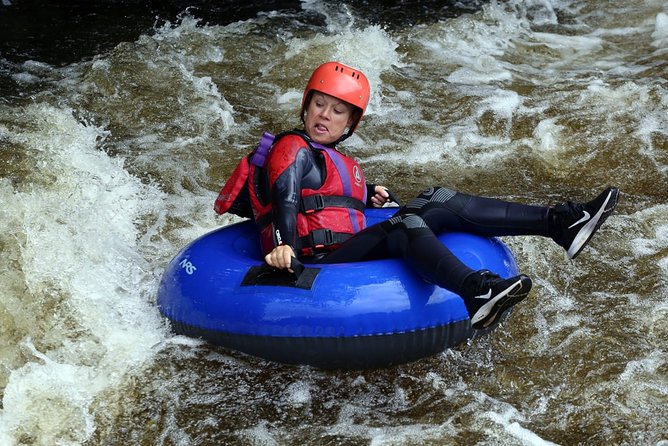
{"x":259,"y":156}
{"x":318,"y":202}
{"x":261,"y":152}
{"x":323,"y":237}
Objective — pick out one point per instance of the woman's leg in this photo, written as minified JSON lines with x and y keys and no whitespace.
{"x":407,"y":236}
{"x":571,"y":224}
{"x":445,"y":210}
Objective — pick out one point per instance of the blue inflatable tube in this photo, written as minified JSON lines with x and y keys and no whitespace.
{"x":352,"y":315}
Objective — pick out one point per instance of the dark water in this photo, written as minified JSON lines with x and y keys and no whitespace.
{"x":59,"y":33}
{"x":119,"y":122}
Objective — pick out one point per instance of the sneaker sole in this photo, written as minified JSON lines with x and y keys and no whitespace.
{"x":589,"y":229}
{"x":501,"y":303}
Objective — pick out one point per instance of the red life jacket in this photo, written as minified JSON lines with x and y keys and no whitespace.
{"x":328,"y":215}
{"x":233,"y":197}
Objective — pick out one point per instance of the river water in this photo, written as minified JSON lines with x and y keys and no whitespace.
{"x":110,"y":163}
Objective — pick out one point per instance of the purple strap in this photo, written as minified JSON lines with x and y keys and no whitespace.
{"x":259,"y":157}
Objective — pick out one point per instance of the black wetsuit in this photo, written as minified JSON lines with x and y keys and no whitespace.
{"x":411,"y":233}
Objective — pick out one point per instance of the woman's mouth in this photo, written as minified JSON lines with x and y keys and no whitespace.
{"x":319,"y":128}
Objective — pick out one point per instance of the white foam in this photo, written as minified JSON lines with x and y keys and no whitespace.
{"x":646,"y":104}
{"x":642,"y":384}
{"x":290,"y":97}
{"x":78,"y":243}
{"x":261,"y":435}
{"x":166,"y":68}
{"x":656,"y":241}
{"x":422,"y":151}
{"x":482,"y":70}
{"x":638,"y":369}
{"x":87,"y":319}
{"x":59,"y":394}
{"x":473,"y":48}
{"x":371,"y":50}
{"x":503,"y":103}
{"x":298,"y":393}
{"x":25,"y":78}
{"x":549,"y":143}
{"x":660,"y":34}
{"x":569,"y":44}
{"x":514,"y":428}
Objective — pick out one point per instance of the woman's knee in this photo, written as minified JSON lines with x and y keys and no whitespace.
{"x":432,"y":195}
{"x":407,"y":221}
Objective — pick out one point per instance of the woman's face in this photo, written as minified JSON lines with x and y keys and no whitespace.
{"x":327,"y":118}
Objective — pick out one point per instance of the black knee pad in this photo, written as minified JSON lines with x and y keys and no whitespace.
{"x":408,"y":221}
{"x":431,"y":195}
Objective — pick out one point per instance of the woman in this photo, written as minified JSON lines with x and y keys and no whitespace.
{"x":308,"y":200}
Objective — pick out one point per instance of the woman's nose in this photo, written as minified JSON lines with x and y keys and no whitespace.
{"x":325,"y":112}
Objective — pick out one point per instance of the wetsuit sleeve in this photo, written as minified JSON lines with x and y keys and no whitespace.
{"x":290,"y":168}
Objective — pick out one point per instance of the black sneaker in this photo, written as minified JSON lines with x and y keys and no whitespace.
{"x":493,"y":296}
{"x":577,"y":223}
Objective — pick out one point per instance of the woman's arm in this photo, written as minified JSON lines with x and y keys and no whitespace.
{"x":290,"y":167}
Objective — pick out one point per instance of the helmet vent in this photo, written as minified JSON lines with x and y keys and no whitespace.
{"x":353,"y":74}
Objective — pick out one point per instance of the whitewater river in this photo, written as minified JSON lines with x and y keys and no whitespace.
{"x":110,"y":163}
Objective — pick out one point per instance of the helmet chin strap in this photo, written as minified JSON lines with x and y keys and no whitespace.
{"x":343,"y":137}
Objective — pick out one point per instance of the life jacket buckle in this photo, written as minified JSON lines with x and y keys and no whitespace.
{"x":321,"y":238}
{"x":329,"y":237}
{"x":312,"y":203}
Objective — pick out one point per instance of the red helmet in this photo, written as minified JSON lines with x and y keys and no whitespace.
{"x":342,"y":82}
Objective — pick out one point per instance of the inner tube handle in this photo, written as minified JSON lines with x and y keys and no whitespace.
{"x":297,"y":266}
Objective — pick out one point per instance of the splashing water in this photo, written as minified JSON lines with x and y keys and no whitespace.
{"x":110,"y":165}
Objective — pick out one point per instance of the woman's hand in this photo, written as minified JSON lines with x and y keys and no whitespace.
{"x":280,"y":257}
{"x":380,"y":197}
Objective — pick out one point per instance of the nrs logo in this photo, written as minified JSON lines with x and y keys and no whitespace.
{"x":188,"y":266}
